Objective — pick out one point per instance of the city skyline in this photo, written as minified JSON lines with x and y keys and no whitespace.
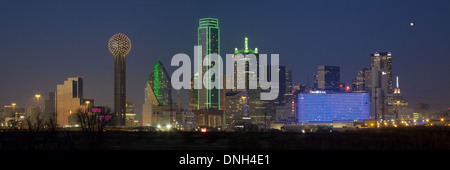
{"x":423,"y":78}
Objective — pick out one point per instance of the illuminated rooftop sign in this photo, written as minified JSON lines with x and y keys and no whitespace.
{"x":317,"y":92}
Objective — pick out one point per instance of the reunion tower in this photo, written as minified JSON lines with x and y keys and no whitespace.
{"x":119,"y":45}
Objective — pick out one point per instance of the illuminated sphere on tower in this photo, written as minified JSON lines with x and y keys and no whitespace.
{"x":119,"y":44}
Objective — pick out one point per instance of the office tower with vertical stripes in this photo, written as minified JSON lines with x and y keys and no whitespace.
{"x":209,"y":41}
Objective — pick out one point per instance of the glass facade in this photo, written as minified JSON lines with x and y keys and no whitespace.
{"x":159,"y":82}
{"x":328,"y":78}
{"x":251,"y":107}
{"x":383,"y":62}
{"x":325,"y":107}
{"x":209,"y":40}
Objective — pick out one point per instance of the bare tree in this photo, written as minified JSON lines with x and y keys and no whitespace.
{"x":92,"y":125}
{"x":35,"y":121}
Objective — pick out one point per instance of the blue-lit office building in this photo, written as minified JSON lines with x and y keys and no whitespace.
{"x":322,"y":106}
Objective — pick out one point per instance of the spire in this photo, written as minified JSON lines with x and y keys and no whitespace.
{"x":397,"y":82}
{"x":246,"y":45}
{"x":397,"y":90}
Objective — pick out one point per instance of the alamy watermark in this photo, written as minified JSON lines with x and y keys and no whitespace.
{"x":210,"y":79}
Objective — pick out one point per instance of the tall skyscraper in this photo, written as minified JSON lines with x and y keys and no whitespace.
{"x":382,"y":62}
{"x":382,"y":84}
{"x":209,"y":40}
{"x":328,"y":78}
{"x":160,"y":86}
{"x":158,"y":106}
{"x":119,"y":45}
{"x":247,"y":72}
{"x":395,"y":102}
{"x":69,"y":98}
{"x":244,"y":105}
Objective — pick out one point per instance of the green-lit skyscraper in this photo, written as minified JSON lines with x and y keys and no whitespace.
{"x":159,"y":86}
{"x":209,"y":40}
{"x":158,"y":107}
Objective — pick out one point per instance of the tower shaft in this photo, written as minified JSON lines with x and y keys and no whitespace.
{"x":119,"y":88}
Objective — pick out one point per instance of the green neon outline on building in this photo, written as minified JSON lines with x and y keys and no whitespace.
{"x":156,"y":84}
{"x":246,"y":49}
{"x":208,"y":24}
{"x":159,"y":82}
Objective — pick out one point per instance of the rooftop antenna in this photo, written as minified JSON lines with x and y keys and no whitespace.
{"x":397,"y":90}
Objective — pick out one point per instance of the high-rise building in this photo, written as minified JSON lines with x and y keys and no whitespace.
{"x":69,"y":98}
{"x":382,"y":83}
{"x":359,"y":82}
{"x":282,"y":83}
{"x":248,"y":73}
{"x":119,"y":45}
{"x":50,"y":106}
{"x":245,"y":105}
{"x":382,"y":62}
{"x":395,"y":102}
{"x":328,"y":78}
{"x":289,"y":83}
{"x":368,"y":81}
{"x":161,"y":87}
{"x":209,"y":40}
{"x":158,"y":108}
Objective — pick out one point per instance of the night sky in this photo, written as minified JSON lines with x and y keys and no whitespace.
{"x":43,"y":43}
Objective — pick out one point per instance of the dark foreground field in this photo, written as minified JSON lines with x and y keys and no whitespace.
{"x":429,"y":138}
